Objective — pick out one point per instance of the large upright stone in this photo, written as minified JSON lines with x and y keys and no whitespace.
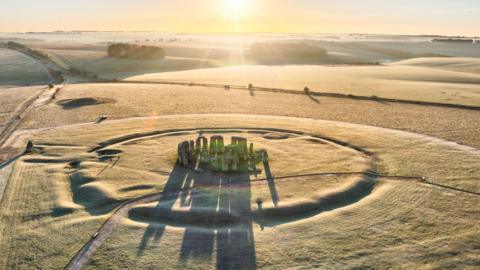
{"x":29,"y":147}
{"x":242,"y":147}
{"x":191,"y":150}
{"x":216,"y":144}
{"x":184,"y":153}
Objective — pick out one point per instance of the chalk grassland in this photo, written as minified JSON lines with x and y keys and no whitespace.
{"x":399,"y":217}
{"x":33,"y":234}
{"x":421,"y":74}
{"x":392,"y":81}
{"x":467,"y":65}
{"x":98,"y":63}
{"x":402,"y":225}
{"x":137,"y":100}
{"x":396,"y":149}
{"x":283,"y":152}
{"x":11,"y":99}
{"x":17,"y":69}
{"x":52,"y":207}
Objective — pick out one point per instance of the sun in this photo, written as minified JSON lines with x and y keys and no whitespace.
{"x":236,"y":9}
{"x":236,"y":4}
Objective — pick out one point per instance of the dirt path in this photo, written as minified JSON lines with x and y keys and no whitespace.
{"x":99,"y":237}
{"x":40,"y":98}
{"x":21,"y":112}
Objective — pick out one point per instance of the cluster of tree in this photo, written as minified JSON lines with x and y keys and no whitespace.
{"x":287,"y":52}
{"x":18,"y":46}
{"x":133,"y":51}
{"x":460,"y":40}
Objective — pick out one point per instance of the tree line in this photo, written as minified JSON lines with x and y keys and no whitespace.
{"x":133,"y":51}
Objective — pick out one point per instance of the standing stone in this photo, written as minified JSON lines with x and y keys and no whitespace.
{"x":198,"y":145}
{"x":192,"y":155}
{"x":185,"y":153}
{"x":224,"y":164}
{"x":216,"y":144}
{"x":242,"y":146}
{"x":180,"y":153}
{"x":29,"y":148}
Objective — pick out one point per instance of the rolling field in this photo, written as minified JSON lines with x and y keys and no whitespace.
{"x":98,"y":63}
{"x":11,"y":100}
{"x":392,"y":81}
{"x":467,"y":65}
{"x":142,"y":100}
{"x":349,"y":182}
{"x":390,"y":212}
{"x":34,"y":231}
{"x":17,"y":70}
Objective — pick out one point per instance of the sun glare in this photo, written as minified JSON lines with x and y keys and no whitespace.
{"x":236,"y":8}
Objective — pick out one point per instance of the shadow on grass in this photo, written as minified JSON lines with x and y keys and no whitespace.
{"x":276,"y":216}
{"x":234,"y":244}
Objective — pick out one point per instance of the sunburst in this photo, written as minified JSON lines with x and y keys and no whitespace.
{"x":236,"y":9}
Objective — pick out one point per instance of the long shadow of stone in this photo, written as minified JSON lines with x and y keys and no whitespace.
{"x":225,"y":194}
{"x":271,"y":183}
{"x":174,"y":184}
{"x":233,"y":245}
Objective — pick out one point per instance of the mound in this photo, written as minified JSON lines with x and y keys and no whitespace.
{"x":81,"y":102}
{"x":276,"y":136}
{"x":89,"y":194}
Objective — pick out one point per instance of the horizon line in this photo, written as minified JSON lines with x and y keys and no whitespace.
{"x":239,"y":33}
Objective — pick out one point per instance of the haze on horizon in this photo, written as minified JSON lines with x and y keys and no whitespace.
{"x":442,"y":17}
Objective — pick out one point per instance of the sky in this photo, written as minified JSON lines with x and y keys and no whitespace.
{"x":444,"y":17}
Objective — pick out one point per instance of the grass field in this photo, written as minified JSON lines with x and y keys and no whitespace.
{"x":34,"y":232}
{"x":396,"y":215}
{"x":392,"y":81}
{"x":349,"y":183}
{"x":137,"y":100}
{"x":389,"y":233}
{"x":98,"y":63}
{"x":17,"y":70}
{"x":466,"y":65}
{"x":11,"y":101}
